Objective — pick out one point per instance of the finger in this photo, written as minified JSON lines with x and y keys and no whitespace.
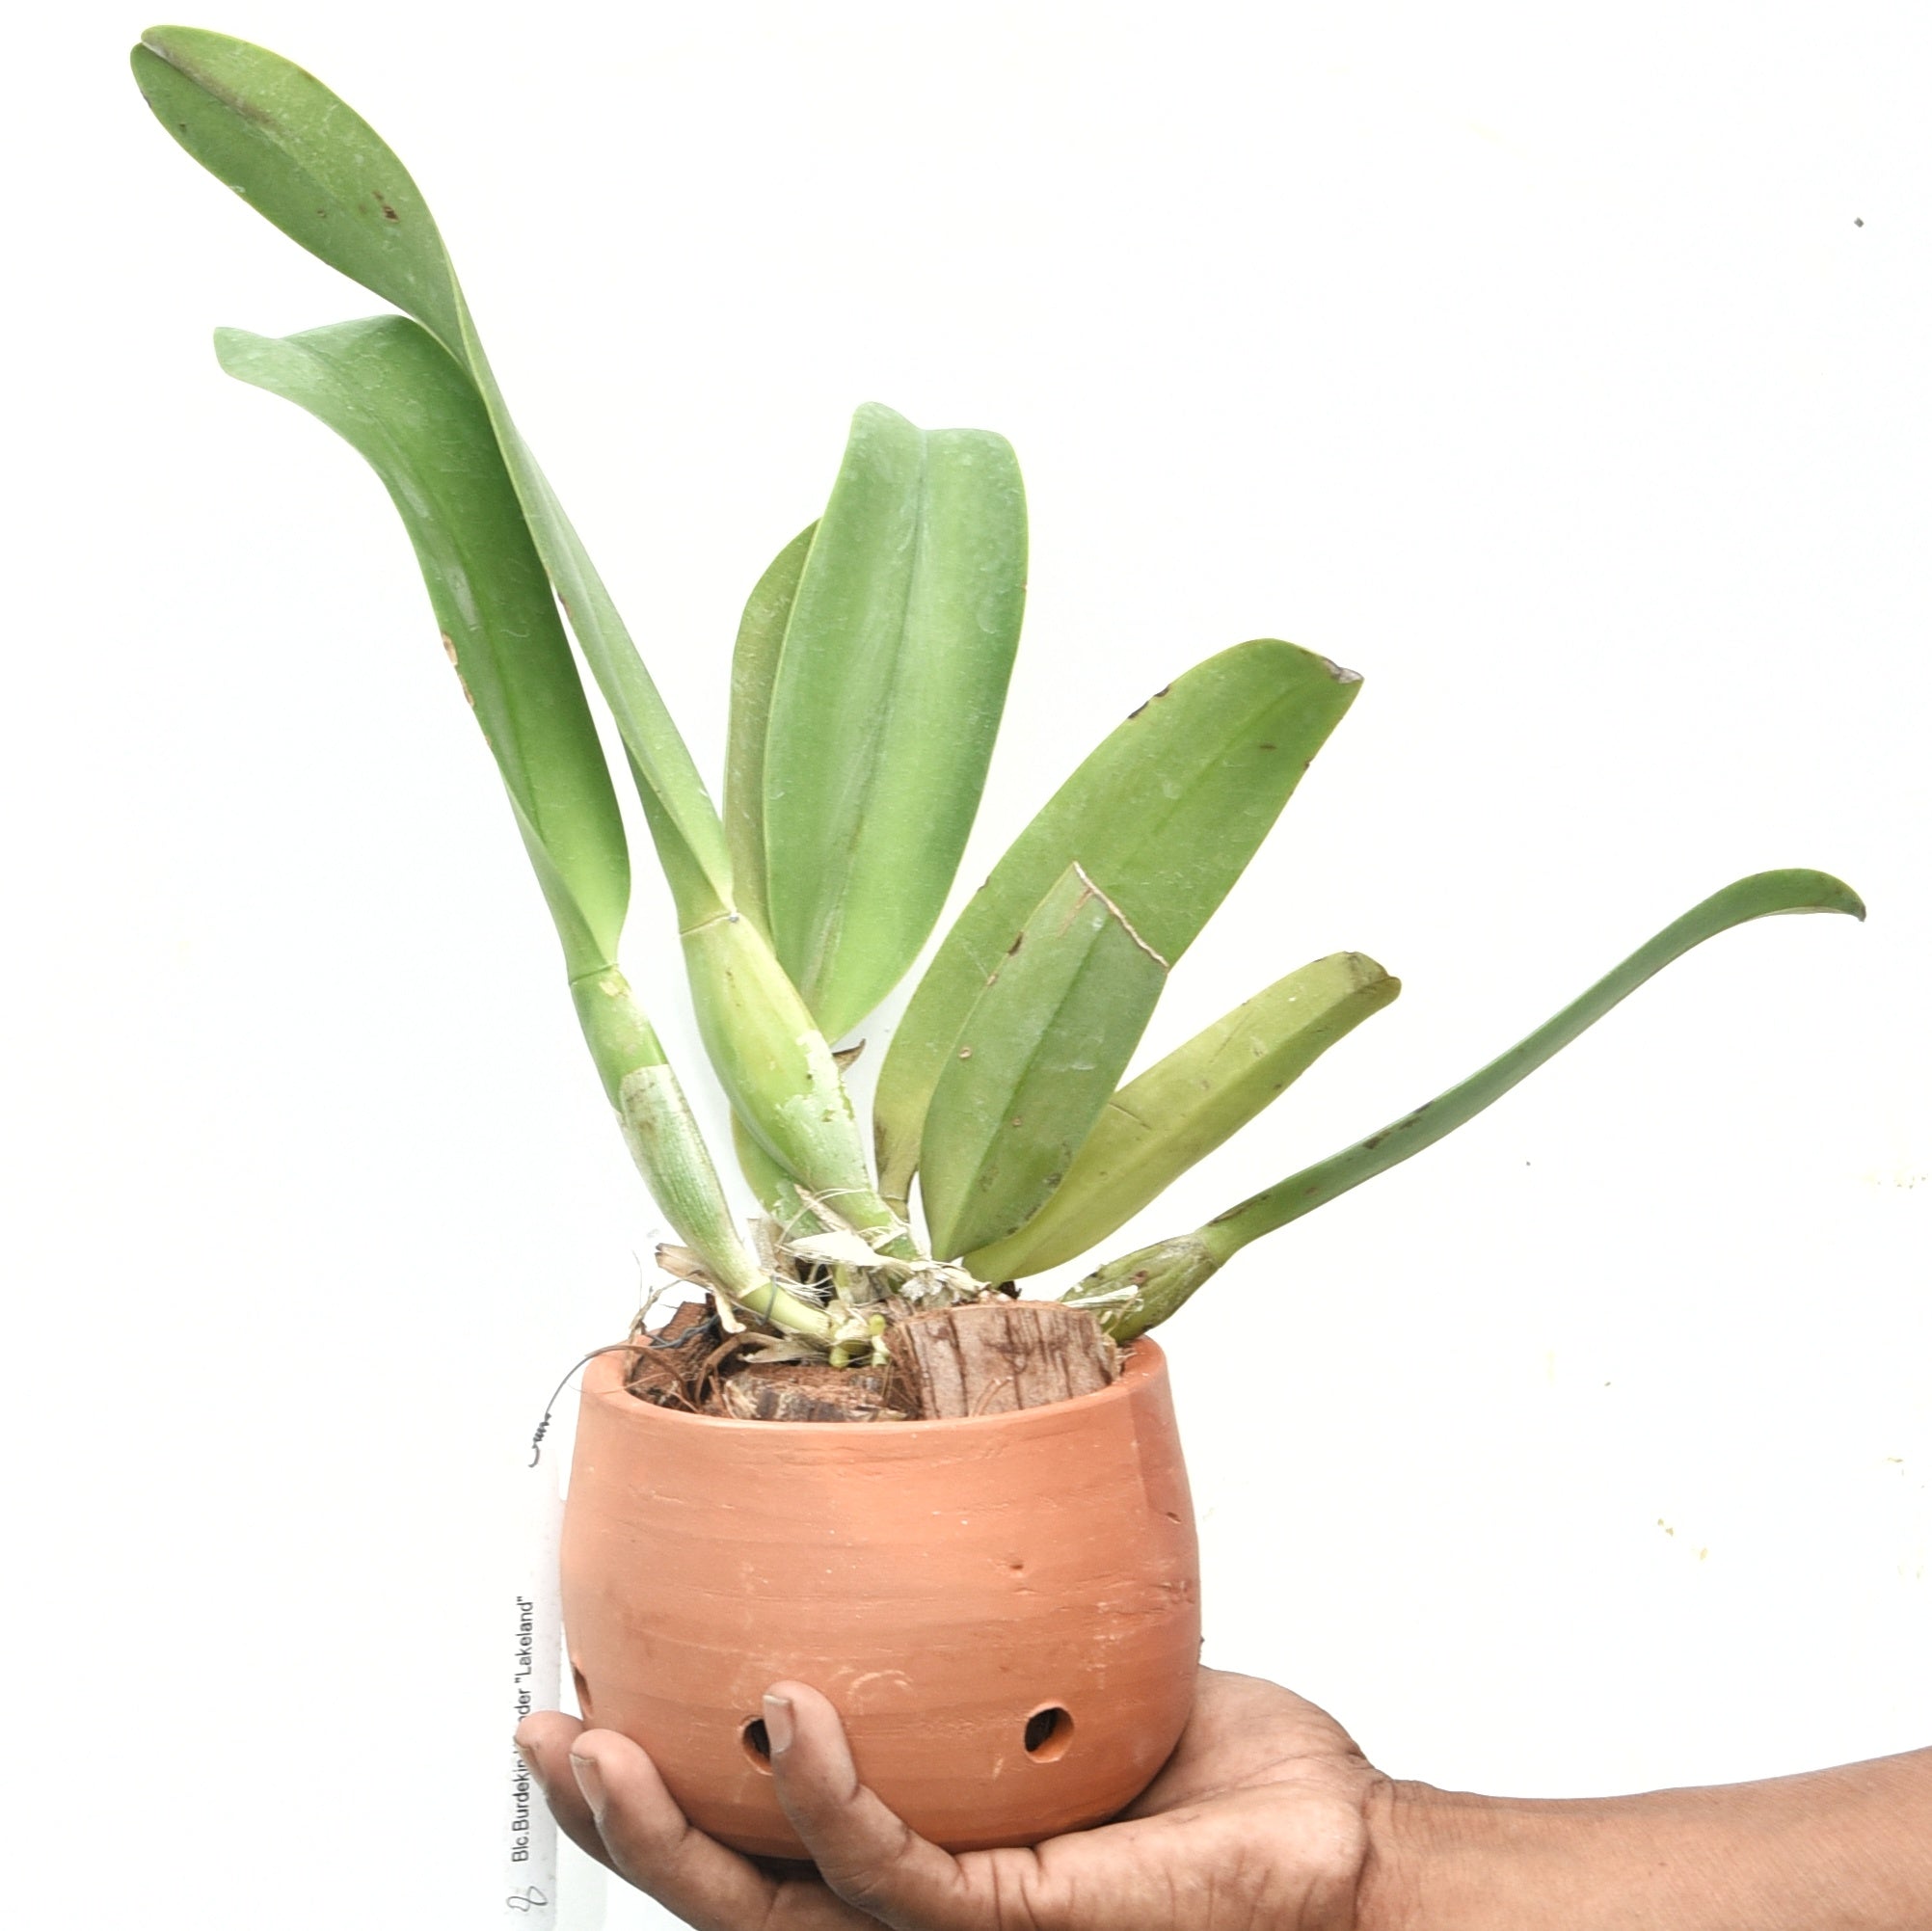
{"x":648,"y":1842}
{"x":873,"y":1859}
{"x":544,"y":1741}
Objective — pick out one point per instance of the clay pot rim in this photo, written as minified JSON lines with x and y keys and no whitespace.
{"x":1142,"y":1362}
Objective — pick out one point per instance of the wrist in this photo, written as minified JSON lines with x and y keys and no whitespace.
{"x":1425,"y":1847}
{"x":1450,"y":1861}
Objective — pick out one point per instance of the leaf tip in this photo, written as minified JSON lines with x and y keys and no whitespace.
{"x":1821,"y":892}
{"x":876,"y":415}
{"x":146,"y":54}
{"x":1365,"y":971}
{"x":238,"y":350}
{"x":176,"y":46}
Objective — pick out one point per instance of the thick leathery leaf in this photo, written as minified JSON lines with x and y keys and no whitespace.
{"x":1055,"y":1022}
{"x":274,"y":133}
{"x":754,"y":668}
{"x":306,"y":161}
{"x":684,"y":822}
{"x":1181,"y":1109}
{"x":1135,"y":1292}
{"x":1164,"y":817}
{"x":886,"y":700}
{"x":314,"y":168}
{"x":391,"y":391}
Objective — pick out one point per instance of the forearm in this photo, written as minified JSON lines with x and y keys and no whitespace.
{"x":1836,"y":1850}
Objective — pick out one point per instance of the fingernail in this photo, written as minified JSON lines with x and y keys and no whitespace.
{"x":778,"y":1723}
{"x":590,"y":1780}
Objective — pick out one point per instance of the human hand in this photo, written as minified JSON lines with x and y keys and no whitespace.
{"x":1256,"y":1823}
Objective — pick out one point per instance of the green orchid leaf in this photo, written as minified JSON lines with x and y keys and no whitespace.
{"x":315,"y":168}
{"x":1055,"y":1022}
{"x":390,"y":388}
{"x":1133,"y":1294}
{"x":304,"y":160}
{"x":1164,"y":817}
{"x":886,"y":698}
{"x":754,"y":669}
{"x":1180,"y":1110}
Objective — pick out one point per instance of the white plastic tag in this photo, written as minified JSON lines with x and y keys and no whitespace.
{"x":531,"y":1863}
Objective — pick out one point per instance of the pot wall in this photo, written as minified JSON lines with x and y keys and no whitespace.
{"x":943,"y":1582}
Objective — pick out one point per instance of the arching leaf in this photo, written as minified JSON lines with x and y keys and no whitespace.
{"x":390,"y":388}
{"x":322,"y":174}
{"x":1164,"y":817}
{"x":1141,"y":1288}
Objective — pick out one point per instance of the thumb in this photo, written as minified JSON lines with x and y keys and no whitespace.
{"x":869,"y":1856}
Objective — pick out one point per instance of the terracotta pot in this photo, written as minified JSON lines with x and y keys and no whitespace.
{"x":1005,"y":1609}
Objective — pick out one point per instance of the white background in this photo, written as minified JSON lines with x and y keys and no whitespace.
{"x":1530,"y":360}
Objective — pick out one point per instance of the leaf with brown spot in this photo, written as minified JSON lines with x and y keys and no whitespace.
{"x":306,"y":161}
{"x":1165,"y":815}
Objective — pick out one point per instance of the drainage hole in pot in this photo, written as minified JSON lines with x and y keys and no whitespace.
{"x":756,"y":1744}
{"x":1048,"y":1733}
{"x":582,"y":1689}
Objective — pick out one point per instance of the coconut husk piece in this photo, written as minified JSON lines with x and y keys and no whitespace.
{"x":805,"y":1391}
{"x":991,"y":1357}
{"x":688,"y":1364}
{"x":982,"y":1358}
{"x":669,"y":1365}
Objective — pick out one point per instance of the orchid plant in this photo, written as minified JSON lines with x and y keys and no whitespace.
{"x":888,"y":628}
